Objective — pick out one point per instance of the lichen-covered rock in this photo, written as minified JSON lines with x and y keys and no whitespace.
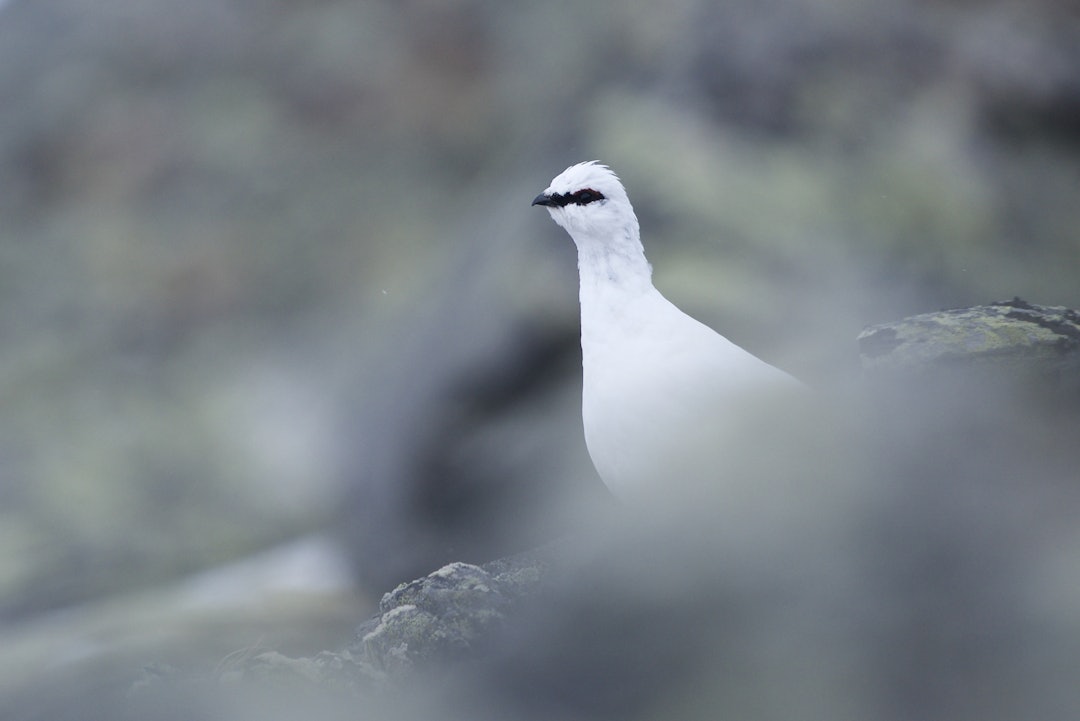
{"x":448,"y":615}
{"x":1009,"y":336}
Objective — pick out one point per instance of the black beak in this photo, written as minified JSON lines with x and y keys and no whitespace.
{"x":543,"y":200}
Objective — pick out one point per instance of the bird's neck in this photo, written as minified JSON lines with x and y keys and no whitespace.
{"x":613,"y":262}
{"x":614,"y":275}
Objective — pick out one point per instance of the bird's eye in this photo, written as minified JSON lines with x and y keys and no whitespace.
{"x":586,"y":196}
{"x":579,"y":197}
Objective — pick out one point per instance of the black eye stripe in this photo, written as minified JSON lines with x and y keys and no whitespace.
{"x":580,"y":197}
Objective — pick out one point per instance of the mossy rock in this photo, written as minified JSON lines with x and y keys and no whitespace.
{"x":1011,"y":337}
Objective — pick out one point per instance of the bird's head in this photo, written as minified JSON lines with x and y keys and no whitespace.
{"x":587,"y":199}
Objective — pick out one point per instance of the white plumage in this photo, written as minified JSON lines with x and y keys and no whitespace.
{"x":660,"y":389}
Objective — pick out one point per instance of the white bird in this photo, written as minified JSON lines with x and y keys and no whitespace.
{"x":660,"y":389}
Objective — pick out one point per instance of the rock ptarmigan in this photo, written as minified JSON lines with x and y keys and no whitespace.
{"x":660,"y":388}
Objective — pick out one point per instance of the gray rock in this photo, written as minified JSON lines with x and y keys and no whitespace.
{"x":447,"y":616}
{"x":1008,"y":335}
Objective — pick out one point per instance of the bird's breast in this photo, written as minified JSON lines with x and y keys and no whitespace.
{"x":660,"y":393}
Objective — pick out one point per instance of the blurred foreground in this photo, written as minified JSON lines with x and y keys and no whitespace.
{"x":910,"y":554}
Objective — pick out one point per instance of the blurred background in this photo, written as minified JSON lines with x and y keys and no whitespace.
{"x":280,"y":329}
